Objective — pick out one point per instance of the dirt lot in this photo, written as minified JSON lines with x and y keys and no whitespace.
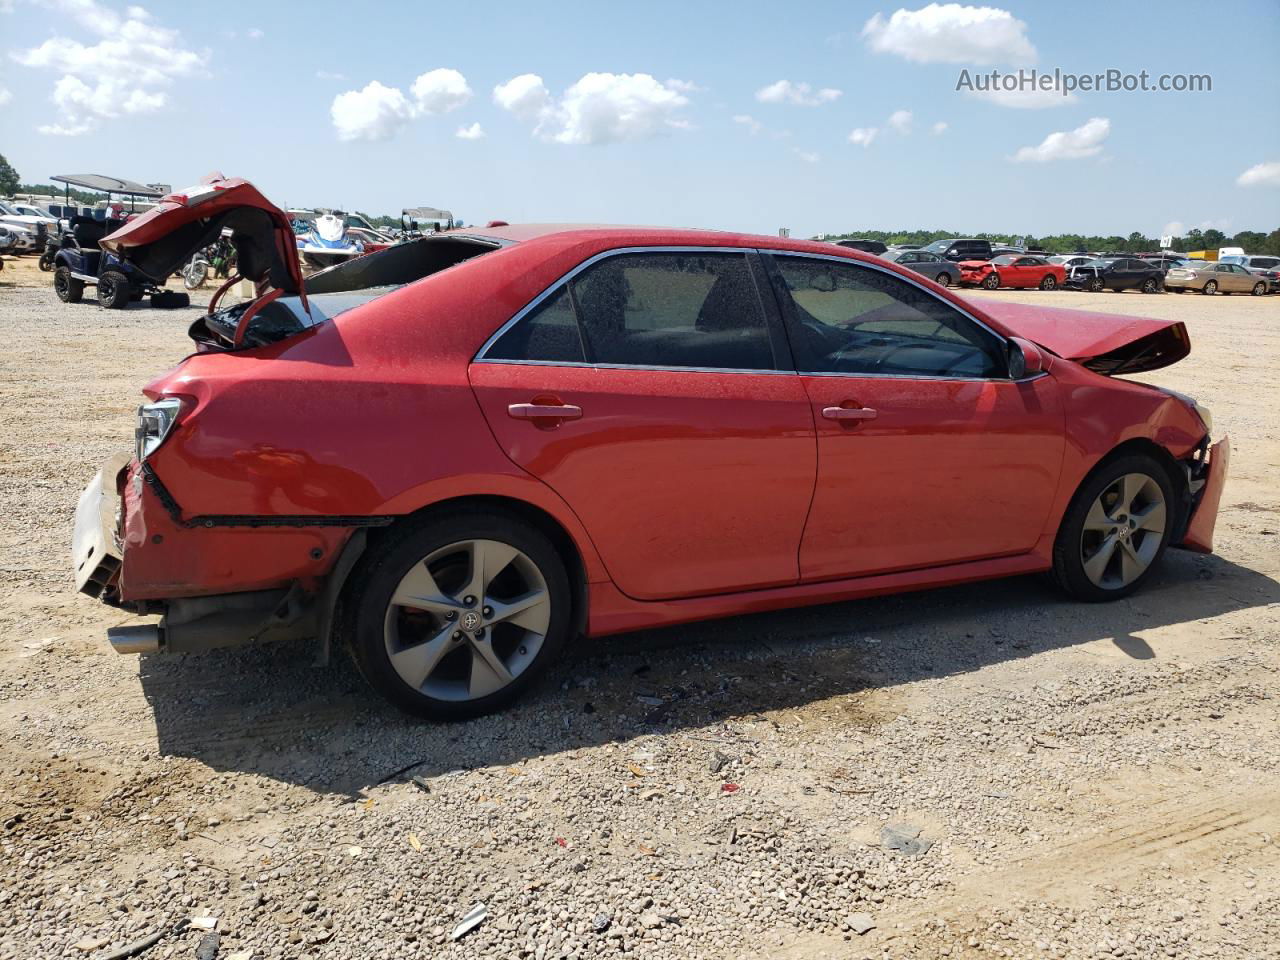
{"x":1096,"y":781}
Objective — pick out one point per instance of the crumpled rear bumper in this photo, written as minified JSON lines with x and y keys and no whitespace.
{"x":96,"y":550}
{"x":1204,"y":515}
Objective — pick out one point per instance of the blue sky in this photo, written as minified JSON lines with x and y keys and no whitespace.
{"x":738,"y":115}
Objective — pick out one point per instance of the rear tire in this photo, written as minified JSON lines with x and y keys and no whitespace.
{"x":944,"y":279}
{"x":1050,"y":282}
{"x":1259,"y":289}
{"x":451,"y":657}
{"x":113,"y":290}
{"x":170,"y":299}
{"x":1150,"y":285}
{"x":67,"y":287}
{"x":1116,"y":529}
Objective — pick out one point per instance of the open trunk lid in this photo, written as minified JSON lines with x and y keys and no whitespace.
{"x":162,"y":239}
{"x":1106,"y":343}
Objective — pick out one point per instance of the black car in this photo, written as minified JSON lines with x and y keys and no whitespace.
{"x":1116,"y":273}
{"x":867,"y":246}
{"x":956,"y":250}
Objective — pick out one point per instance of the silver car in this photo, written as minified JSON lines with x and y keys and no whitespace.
{"x":923,"y":262}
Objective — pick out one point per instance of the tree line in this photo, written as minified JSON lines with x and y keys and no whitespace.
{"x":1253,"y":241}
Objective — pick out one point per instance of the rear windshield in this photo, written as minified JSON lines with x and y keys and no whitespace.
{"x":335,"y":291}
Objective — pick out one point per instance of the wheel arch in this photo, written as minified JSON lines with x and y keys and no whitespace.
{"x":566,"y":547}
{"x":1173,"y":470}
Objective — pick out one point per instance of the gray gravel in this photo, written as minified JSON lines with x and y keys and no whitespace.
{"x":1088,"y":781}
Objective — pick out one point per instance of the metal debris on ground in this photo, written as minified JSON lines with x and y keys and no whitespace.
{"x":475,"y":916}
{"x":904,"y":838}
{"x":145,"y":943}
{"x":421,"y":783}
{"x":718,"y":761}
{"x":600,"y":923}
{"x":208,"y":947}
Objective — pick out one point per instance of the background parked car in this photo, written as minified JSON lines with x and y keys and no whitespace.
{"x":1254,"y":263}
{"x":1216,"y":277}
{"x":1067,"y":262}
{"x":867,"y":246}
{"x":923,"y":262}
{"x":959,"y":249}
{"x":1013,"y":270}
{"x":1116,"y":274}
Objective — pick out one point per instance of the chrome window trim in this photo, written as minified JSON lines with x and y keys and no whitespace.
{"x":590,"y":261}
{"x":620,"y":251}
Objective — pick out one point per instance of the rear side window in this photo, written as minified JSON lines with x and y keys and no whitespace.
{"x":649,"y":310}
{"x":548,"y":333}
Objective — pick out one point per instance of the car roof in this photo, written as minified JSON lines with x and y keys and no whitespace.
{"x":622,"y":236}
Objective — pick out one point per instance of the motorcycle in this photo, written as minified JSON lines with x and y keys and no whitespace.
{"x":219,"y":258}
{"x":52,"y":244}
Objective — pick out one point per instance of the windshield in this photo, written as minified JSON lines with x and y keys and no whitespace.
{"x":1232,"y":259}
{"x":938,"y":246}
{"x":1004,"y":261}
{"x":5,"y":208}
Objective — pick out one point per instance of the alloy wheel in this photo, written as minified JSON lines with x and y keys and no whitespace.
{"x":1123,"y":531}
{"x":467,"y":620}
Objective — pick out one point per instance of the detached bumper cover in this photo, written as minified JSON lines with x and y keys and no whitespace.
{"x":1204,"y":515}
{"x":96,"y":551}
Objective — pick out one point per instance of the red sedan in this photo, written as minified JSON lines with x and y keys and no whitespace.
{"x":455,"y":454}
{"x":1012,"y":270}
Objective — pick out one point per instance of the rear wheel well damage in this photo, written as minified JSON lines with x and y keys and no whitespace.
{"x":367,"y":542}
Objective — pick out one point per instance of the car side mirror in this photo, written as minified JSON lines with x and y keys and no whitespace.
{"x":1025,"y":359}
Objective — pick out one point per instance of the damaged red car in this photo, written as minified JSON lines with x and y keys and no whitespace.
{"x":453,"y":455}
{"x":1012,"y":270}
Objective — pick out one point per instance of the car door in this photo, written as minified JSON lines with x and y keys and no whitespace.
{"x":1240,"y":279}
{"x":928,"y":453}
{"x":654,"y":392}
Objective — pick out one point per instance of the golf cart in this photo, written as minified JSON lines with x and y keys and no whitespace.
{"x":80,"y":262}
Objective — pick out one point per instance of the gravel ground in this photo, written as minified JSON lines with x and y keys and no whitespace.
{"x":1060,"y":780}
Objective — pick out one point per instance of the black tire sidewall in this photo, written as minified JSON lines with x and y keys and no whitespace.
{"x":116,"y":287}
{"x":1068,"y":566}
{"x":363,"y":609}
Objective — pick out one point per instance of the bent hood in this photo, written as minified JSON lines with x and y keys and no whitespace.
{"x":162,"y":239}
{"x":1106,"y":343}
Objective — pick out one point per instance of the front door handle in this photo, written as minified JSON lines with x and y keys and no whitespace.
{"x":849,"y":413}
{"x":544,"y":411}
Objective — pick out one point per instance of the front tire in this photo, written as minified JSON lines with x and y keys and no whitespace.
{"x":1115,"y":530}
{"x":113,"y":290}
{"x":455,"y":617}
{"x":1095,"y":285}
{"x":67,"y":287}
{"x":1210,"y":288}
{"x":992,"y":281}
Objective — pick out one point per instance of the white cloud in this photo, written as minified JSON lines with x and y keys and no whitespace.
{"x":375,"y":113}
{"x":900,"y":120}
{"x":124,"y":72}
{"x":1177,"y":228}
{"x":683,"y":86}
{"x":255,"y":34}
{"x":750,"y":122}
{"x":473,"y":132}
{"x":801,"y":94}
{"x":939,"y":128}
{"x":5,"y":96}
{"x":599,"y":108}
{"x":806,"y":155}
{"x":863,"y":136}
{"x":1260,"y":175}
{"x":951,"y":33}
{"x":526,"y":96}
{"x":1034,"y":99}
{"x":1083,"y":141}
{"x":326,"y":75}
{"x":439,"y":91}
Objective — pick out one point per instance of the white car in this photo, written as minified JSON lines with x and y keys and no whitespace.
{"x":30,"y":210}
{"x":30,"y":230}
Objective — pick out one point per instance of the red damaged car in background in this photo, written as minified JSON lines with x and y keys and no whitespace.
{"x":452,"y":455}
{"x":1012,"y":270}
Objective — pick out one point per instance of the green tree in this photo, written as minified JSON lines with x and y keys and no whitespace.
{"x":1213,"y":239}
{"x":8,"y":178}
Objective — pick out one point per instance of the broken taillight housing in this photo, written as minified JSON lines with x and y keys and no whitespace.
{"x":155,"y":421}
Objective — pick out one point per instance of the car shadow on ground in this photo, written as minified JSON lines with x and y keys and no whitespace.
{"x":267,"y":710}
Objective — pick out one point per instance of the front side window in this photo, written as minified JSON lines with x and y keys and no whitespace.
{"x":860,"y":321}
{"x":649,"y":310}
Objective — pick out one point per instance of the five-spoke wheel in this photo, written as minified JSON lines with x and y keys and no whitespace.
{"x":453,"y":618}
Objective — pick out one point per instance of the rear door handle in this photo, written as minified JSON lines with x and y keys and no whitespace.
{"x":544,"y":411}
{"x":849,"y":413}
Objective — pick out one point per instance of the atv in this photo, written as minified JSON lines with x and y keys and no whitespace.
{"x":80,"y":263}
